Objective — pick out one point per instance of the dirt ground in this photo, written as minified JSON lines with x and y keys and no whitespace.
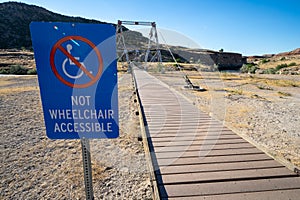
{"x":35,"y":167}
{"x":264,"y":109}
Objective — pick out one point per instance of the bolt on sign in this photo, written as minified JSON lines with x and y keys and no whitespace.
{"x":77,"y":74}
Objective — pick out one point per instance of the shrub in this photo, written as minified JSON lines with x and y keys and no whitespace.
{"x":278,"y":67}
{"x":161,"y":68}
{"x":283,"y":58}
{"x":292,"y":64}
{"x":270,"y":71}
{"x":178,"y":60}
{"x":249,"y":68}
{"x":17,"y":69}
{"x":32,"y":72}
{"x":264,"y":61}
{"x":4,"y":71}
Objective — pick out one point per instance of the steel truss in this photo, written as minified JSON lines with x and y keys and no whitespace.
{"x":153,"y":41}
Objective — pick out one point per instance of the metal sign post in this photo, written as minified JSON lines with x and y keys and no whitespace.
{"x":87,"y":168}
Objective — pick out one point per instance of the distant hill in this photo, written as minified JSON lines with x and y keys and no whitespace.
{"x":290,"y":53}
{"x":15,"y":19}
{"x":14,"y":33}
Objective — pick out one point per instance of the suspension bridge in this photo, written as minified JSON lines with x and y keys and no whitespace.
{"x":193,"y":156}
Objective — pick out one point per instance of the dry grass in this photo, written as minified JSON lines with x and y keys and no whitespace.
{"x":4,"y":91}
{"x":268,"y":81}
{"x":14,"y":79}
{"x":281,"y":83}
{"x":229,"y":76}
{"x":123,"y":88}
{"x":264,"y":87}
{"x":234,"y":91}
{"x":285,"y":94}
{"x":244,"y":110}
{"x":6,"y":81}
{"x":23,"y":58}
{"x":241,"y":125}
{"x":277,"y":61}
{"x":196,"y":77}
{"x":259,"y":87}
{"x":234,"y":112}
{"x":122,"y":67}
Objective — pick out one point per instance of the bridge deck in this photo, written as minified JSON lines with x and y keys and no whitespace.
{"x":197,"y":157}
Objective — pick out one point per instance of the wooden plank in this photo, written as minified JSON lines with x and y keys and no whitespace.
{"x":203,"y":147}
{"x":204,"y":118}
{"x":210,"y":153}
{"x":193,"y":117}
{"x":219,"y":159}
{"x":230,"y":187}
{"x":209,"y":167}
{"x":187,"y":128}
{"x":168,"y":115}
{"x":161,"y":135}
{"x":179,"y":122}
{"x":290,"y":194}
{"x":198,"y":143}
{"x":196,"y":137}
{"x":221,"y":175}
{"x":204,"y":130}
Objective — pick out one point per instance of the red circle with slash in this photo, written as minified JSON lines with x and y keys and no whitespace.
{"x":58,"y":46}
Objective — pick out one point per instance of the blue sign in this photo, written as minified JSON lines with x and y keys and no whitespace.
{"x":77,"y":73}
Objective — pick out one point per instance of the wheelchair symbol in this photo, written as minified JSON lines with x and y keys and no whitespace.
{"x":71,"y":64}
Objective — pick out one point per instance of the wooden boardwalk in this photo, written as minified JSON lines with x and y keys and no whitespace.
{"x":196,"y":157}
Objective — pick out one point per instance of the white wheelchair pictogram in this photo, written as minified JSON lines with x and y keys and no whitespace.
{"x":71,"y":64}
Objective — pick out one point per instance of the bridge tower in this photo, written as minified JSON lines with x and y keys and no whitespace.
{"x":153,"y":41}
{"x":153,"y":34}
{"x":121,"y":47}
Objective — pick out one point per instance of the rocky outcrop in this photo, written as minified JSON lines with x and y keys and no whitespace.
{"x":223,"y":60}
{"x":251,"y":59}
{"x":227,"y":61}
{"x":290,"y":53}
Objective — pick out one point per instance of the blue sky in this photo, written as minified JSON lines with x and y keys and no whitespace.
{"x":250,"y":27}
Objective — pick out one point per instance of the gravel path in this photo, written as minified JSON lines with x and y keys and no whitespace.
{"x":35,"y":167}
